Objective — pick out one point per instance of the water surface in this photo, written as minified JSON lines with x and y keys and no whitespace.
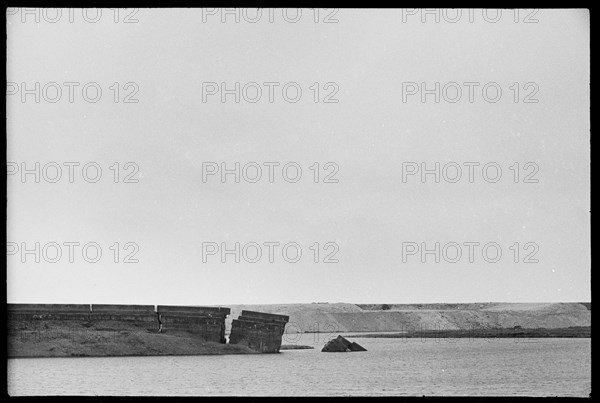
{"x":432,"y":367}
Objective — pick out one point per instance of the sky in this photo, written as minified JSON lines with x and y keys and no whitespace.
{"x":161,"y":123}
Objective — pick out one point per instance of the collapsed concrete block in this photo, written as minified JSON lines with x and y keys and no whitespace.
{"x":260,"y":331}
{"x":340,"y":345}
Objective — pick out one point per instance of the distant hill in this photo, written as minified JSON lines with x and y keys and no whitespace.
{"x":345,"y":317}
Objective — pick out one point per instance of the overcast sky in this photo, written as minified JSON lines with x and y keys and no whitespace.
{"x":368,"y":134}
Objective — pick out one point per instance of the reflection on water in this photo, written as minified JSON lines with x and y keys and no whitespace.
{"x":534,"y":367}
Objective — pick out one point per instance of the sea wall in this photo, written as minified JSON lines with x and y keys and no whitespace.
{"x":207,"y":322}
{"x":260,"y":331}
{"x":48,"y":312}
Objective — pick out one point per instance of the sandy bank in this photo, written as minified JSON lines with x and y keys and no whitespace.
{"x":345,"y":317}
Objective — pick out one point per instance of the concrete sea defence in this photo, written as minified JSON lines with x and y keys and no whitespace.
{"x":260,"y":331}
{"x":53,"y":330}
{"x":48,"y":311}
{"x":208,"y":322}
{"x":132,"y":313}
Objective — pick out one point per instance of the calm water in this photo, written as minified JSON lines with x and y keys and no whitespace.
{"x":535,"y":367}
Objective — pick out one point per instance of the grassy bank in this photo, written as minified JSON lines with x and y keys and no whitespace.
{"x":106,"y":338}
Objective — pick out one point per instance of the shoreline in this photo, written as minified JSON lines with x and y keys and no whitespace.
{"x":574,"y":332}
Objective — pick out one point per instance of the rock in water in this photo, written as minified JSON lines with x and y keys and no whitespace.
{"x":336,"y":345}
{"x":356,"y":347}
{"x":340,"y":344}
